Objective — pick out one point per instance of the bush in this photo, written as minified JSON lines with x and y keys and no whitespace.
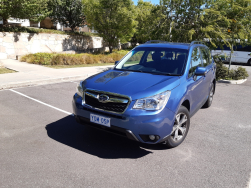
{"x":38,"y":58}
{"x":222,"y":71}
{"x":238,"y":74}
{"x":70,"y":59}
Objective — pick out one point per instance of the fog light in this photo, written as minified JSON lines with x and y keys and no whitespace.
{"x":152,"y":137}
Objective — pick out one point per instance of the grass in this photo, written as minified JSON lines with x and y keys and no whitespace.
{"x":40,"y":30}
{"x":58,"y":60}
{"x":4,"y":71}
{"x":75,"y":66}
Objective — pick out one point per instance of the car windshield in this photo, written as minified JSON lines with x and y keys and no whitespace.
{"x":168,"y":61}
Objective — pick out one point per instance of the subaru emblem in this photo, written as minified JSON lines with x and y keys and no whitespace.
{"x":103,"y":98}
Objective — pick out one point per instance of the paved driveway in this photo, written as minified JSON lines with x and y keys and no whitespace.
{"x":42,"y":146}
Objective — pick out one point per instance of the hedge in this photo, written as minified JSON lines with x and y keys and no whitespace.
{"x":72,"y":59}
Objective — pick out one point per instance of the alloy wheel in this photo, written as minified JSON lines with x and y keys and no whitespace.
{"x":180,"y":127}
{"x":211,"y":94}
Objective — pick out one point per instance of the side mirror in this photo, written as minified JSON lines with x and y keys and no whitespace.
{"x":200,"y":71}
{"x":116,"y":62}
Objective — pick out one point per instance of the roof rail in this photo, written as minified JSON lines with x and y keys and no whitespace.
{"x":196,"y":42}
{"x":155,"y":41}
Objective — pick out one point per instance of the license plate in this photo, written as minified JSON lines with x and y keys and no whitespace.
{"x":100,"y":120}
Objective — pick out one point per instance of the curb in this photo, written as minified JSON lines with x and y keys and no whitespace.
{"x":43,"y":81}
{"x":232,"y":81}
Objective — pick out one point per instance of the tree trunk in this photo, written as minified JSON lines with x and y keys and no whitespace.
{"x":110,"y":49}
{"x":72,"y":29}
{"x":5,"y":21}
{"x":230,"y":58}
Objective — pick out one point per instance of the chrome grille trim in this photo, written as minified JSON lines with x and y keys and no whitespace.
{"x":115,"y":100}
{"x":88,"y":91}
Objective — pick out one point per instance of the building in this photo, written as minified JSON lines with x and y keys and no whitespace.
{"x":46,"y":24}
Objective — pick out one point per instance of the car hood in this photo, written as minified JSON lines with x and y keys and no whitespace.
{"x":134,"y":84}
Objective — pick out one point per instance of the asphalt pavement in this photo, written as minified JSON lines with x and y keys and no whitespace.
{"x":42,"y":146}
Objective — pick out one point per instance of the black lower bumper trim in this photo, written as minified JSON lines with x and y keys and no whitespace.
{"x":113,"y":129}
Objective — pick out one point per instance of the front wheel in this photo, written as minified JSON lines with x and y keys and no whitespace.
{"x":180,"y":128}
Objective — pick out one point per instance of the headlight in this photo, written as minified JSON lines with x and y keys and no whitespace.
{"x":156,"y":102}
{"x":80,"y":90}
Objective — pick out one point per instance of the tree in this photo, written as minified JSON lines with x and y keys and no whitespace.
{"x":237,"y":14}
{"x":34,"y":10}
{"x":145,"y":22}
{"x":186,"y":21}
{"x":68,"y":12}
{"x":183,"y":21}
{"x":114,"y":20}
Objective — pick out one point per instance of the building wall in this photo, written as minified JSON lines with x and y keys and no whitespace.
{"x":13,"y":44}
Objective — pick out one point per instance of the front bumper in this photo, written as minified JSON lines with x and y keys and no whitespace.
{"x":133,"y":124}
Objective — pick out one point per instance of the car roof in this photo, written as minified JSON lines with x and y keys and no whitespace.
{"x":185,"y":46}
{"x":165,"y":44}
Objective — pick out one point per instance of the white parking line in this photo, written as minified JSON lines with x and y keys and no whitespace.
{"x":68,"y":113}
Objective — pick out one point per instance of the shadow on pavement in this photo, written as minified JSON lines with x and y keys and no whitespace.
{"x":95,"y":142}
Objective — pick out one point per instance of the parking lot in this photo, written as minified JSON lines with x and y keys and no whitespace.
{"x":42,"y":145}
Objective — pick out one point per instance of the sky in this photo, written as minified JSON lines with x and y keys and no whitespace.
{"x":152,"y":1}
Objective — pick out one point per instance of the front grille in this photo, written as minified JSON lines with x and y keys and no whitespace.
{"x":109,"y":106}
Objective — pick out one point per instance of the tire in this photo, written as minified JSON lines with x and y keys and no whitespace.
{"x":180,"y":130}
{"x":249,"y":62}
{"x":209,"y":101}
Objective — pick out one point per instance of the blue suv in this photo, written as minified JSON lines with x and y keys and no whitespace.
{"x":150,"y":94}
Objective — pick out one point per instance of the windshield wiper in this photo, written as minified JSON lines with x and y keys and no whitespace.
{"x":156,"y":73}
{"x":162,"y":73}
{"x":130,"y":70}
{"x":170,"y":74}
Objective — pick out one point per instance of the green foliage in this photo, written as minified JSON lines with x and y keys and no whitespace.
{"x":49,"y":31}
{"x":236,"y":27}
{"x":221,"y":21}
{"x":222,"y":71}
{"x":72,"y":59}
{"x":144,"y":19}
{"x":114,"y":20}
{"x":177,"y":20}
{"x":4,"y":71}
{"x":238,"y":74}
{"x":34,"y":10}
{"x":38,"y":58}
{"x":67,"y":12}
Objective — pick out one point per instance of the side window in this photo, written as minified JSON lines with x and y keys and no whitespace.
{"x":210,"y":56}
{"x":205,"y":57}
{"x":243,"y":48}
{"x":195,"y":61}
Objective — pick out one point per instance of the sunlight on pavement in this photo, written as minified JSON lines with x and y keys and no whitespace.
{"x":249,"y":183}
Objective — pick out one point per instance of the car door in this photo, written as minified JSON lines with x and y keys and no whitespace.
{"x":207,"y":63}
{"x":196,"y":84}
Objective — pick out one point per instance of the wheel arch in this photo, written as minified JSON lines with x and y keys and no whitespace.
{"x":186,"y":103}
{"x":249,"y":62}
